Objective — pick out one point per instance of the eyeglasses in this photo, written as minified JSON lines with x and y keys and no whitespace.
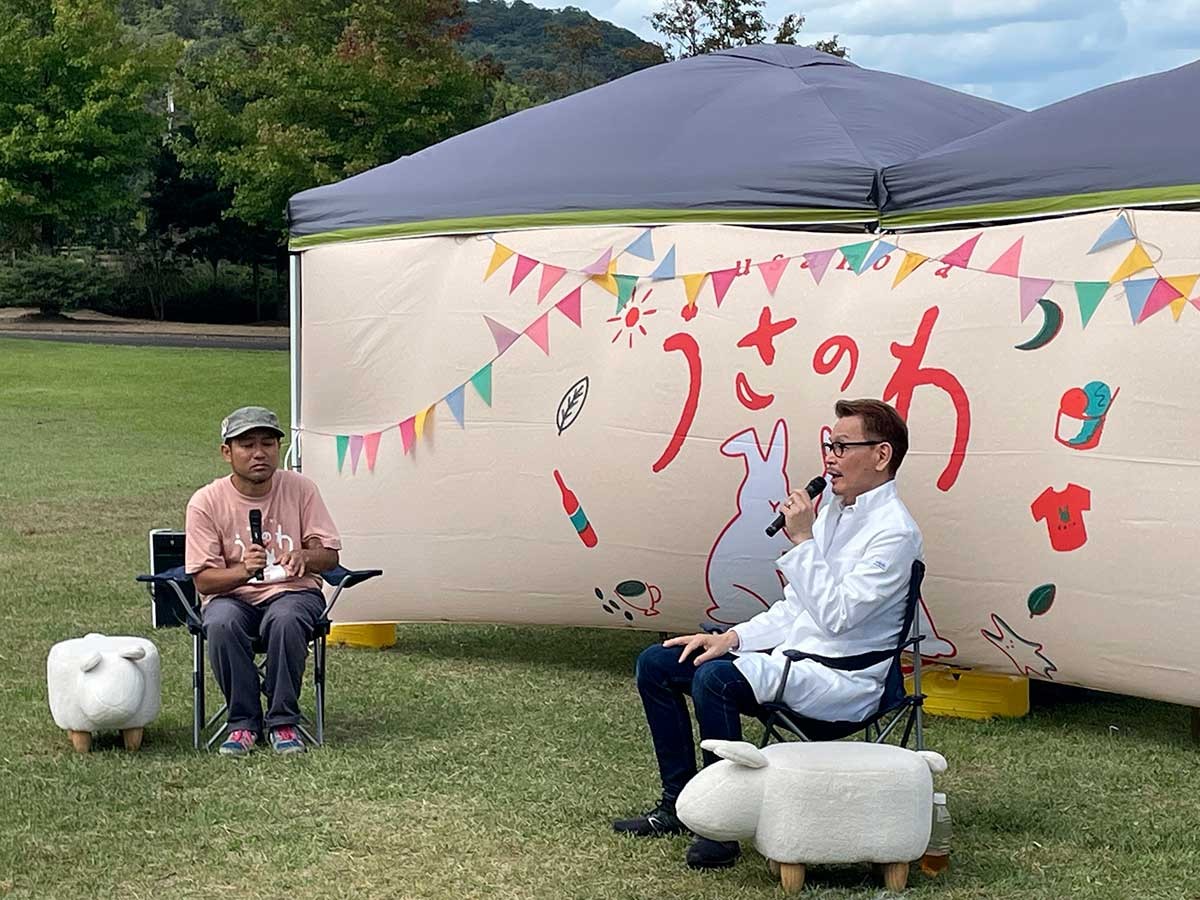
{"x":838,"y":448}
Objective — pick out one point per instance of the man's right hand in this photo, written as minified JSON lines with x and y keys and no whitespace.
{"x":254,"y":559}
{"x":713,"y":645}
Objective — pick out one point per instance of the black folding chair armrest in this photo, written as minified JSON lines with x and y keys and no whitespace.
{"x":176,"y":578}
{"x":340,"y":578}
{"x":713,"y":628}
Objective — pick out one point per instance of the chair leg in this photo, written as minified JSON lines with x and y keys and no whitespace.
{"x":791,"y":876}
{"x":197,"y":691}
{"x":895,"y":876}
{"x":319,"y":686}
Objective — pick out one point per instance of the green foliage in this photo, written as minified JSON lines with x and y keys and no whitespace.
{"x":703,"y":26}
{"x":81,"y":107}
{"x":55,"y":284}
{"x":313,"y":93}
{"x":552,"y":53}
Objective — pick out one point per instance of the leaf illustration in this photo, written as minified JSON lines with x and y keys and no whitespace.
{"x":571,"y":404}
{"x":1041,"y":598}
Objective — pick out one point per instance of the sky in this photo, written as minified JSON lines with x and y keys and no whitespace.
{"x":1026,"y":53}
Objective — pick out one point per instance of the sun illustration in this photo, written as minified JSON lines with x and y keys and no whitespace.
{"x":631,"y":318}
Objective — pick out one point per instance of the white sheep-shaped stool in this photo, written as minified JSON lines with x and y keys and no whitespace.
{"x":99,"y":683}
{"x":803,"y":803}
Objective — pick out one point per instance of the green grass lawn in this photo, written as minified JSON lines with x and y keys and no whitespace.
{"x":466,"y":761}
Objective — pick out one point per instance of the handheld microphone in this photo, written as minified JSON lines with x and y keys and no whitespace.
{"x":256,"y":535}
{"x":813,"y":489}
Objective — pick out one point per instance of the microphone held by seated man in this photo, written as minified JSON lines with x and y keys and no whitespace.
{"x":847,"y":576}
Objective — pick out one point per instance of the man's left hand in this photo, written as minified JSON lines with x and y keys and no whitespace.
{"x":798,"y":516}
{"x":293,"y":562}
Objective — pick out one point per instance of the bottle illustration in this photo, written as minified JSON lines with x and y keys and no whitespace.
{"x":937,"y":855}
{"x":575,"y":513}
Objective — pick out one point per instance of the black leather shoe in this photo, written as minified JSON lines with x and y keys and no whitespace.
{"x":709,"y":854}
{"x":659,"y":821}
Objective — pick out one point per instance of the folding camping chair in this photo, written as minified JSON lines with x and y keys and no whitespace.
{"x":896,"y":705}
{"x":175,"y":603}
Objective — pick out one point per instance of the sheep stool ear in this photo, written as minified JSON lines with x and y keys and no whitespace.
{"x":89,"y":662}
{"x":937,"y":762}
{"x":740,"y":752}
{"x":136,"y":652}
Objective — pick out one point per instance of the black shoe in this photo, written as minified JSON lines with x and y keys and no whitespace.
{"x":659,"y":821}
{"x":709,"y":854}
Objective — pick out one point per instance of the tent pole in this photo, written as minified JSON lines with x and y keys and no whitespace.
{"x":294,"y":342}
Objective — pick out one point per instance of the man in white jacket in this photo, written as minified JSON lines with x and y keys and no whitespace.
{"x":847,"y":580}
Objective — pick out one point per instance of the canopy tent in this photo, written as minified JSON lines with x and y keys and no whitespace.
{"x":1126,"y":144}
{"x":765,"y":134}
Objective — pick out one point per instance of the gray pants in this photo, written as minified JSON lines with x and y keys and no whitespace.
{"x":284,"y":625}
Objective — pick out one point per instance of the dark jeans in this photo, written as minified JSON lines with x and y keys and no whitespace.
{"x":284,"y":625}
{"x":720,"y":695}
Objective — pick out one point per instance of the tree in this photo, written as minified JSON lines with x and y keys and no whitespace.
{"x":702,"y":26}
{"x":81,"y":112}
{"x":312,"y":93}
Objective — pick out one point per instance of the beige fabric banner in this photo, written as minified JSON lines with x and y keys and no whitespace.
{"x":635,"y":443}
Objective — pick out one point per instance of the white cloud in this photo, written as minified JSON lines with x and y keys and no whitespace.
{"x":1024,"y":52}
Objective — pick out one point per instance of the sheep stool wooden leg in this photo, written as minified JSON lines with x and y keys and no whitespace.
{"x":792,"y":876}
{"x":773,"y":867}
{"x":132,"y":738}
{"x":80,"y":740}
{"x":895,"y":876}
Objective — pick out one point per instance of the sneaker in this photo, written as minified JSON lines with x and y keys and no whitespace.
{"x":239,"y":743}
{"x":660,"y":820}
{"x":284,"y":739}
{"x":709,"y":854}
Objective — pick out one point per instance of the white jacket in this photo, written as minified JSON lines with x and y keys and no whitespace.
{"x":845,"y":595}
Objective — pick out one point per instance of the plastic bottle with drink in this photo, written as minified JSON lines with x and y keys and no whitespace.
{"x":937,"y":855}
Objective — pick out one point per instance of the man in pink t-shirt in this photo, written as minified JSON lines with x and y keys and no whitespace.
{"x":268,"y":592}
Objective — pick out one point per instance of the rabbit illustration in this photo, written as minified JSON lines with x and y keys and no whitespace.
{"x":741,"y":576}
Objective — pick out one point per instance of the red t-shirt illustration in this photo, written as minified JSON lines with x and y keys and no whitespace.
{"x":1063,"y":512}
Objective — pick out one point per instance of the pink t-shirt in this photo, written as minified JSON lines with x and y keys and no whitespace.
{"x":218,"y":528}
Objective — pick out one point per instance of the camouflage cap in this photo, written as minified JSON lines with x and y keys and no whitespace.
{"x":247,"y":419}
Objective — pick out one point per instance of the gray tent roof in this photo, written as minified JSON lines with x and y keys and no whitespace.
{"x":1128,"y":144}
{"x":770,"y":133}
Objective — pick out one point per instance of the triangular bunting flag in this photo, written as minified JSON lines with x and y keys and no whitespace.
{"x":625,"y":286}
{"x":408,"y":434}
{"x":454,"y":400}
{"x":1136,"y":294}
{"x":504,"y":336}
{"x":772,"y":271}
{"x":539,"y":332}
{"x":856,"y":253}
{"x":524,"y":266}
{"x":882,"y":249}
{"x":1183,"y":284}
{"x":643,"y":247}
{"x":356,"y":445}
{"x":666,"y":268}
{"x":343,"y":441}
{"x":1032,"y":290}
{"x":607,"y":280}
{"x":1136,"y":261}
{"x":721,"y":280}
{"x":1115,"y":233}
{"x":423,"y":421}
{"x":818,"y":262}
{"x":1162,"y":295}
{"x":961,"y":255}
{"x":1089,"y":294}
{"x":499,"y":257}
{"x":371,"y":445}
{"x":550,"y":277}
{"x":1009,"y":262}
{"x":910,"y":264}
{"x":482,"y":382}
{"x":569,"y":306}
{"x":692,"y":284}
{"x":600,"y":266}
